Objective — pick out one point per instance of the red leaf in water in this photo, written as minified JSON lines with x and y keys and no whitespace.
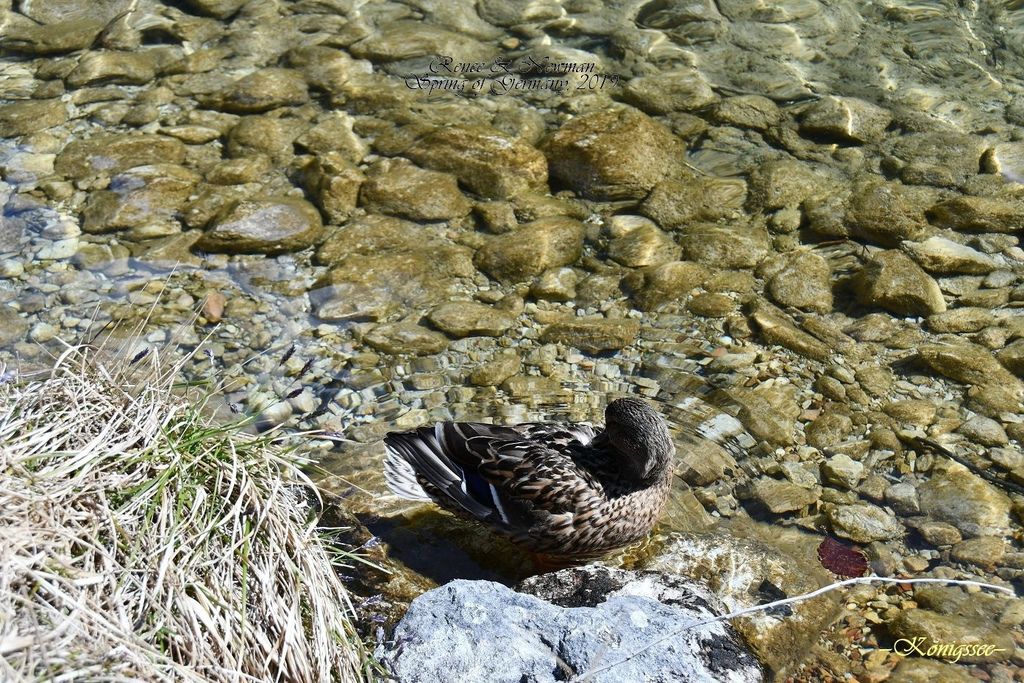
{"x":841,"y":559}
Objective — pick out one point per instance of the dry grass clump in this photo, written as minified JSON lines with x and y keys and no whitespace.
{"x":138,"y":541}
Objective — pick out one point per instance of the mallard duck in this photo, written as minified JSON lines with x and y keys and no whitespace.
{"x":565,"y":492}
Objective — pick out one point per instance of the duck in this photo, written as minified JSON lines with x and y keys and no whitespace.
{"x":566,"y":493}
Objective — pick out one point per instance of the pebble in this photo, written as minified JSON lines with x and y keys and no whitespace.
{"x":11,"y":268}
{"x":783,"y":496}
{"x":939,"y":533}
{"x":966,"y":501}
{"x":985,"y":551}
{"x":903,"y":498}
{"x":589,"y":153}
{"x":984,"y":431}
{"x":863,"y":523}
{"x":42,"y":332}
{"x":465,"y":318}
{"x":842,"y":471}
{"x":894,"y":282}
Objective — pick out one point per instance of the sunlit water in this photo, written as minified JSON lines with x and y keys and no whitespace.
{"x":942,"y":67}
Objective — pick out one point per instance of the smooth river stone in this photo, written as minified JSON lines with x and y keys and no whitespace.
{"x":107,"y":155}
{"x":485,"y":160}
{"x":218,"y":9}
{"x":49,"y":39}
{"x":593,"y":335}
{"x":261,"y":91}
{"x":55,"y":11}
{"x":615,"y":153}
{"x":944,"y":256}
{"x":268,"y":225}
{"x":470,"y":319}
{"x":400,"y":188}
{"x":30,"y":116}
{"x":130,"y":68}
{"x":847,"y":119}
{"x":146,"y":200}
{"x":891,"y":280}
{"x":531,"y":249}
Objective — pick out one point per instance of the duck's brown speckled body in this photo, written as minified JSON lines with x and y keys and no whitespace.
{"x":567,"y":491}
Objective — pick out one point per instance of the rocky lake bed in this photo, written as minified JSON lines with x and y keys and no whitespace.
{"x":793,"y":227}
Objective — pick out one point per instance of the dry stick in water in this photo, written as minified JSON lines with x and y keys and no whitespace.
{"x":786,"y":601}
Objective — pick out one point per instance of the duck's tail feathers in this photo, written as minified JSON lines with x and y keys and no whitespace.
{"x":418,"y":455}
{"x":401,"y":477}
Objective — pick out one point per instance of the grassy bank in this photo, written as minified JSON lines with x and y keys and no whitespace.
{"x":139,"y":541}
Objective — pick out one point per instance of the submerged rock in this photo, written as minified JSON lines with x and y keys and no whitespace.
{"x":333,"y":133}
{"x":778,"y":328}
{"x":637,"y":242}
{"x":979,"y":214}
{"x":936,"y":628}
{"x":485,"y":160}
{"x":146,"y":200}
{"x":218,"y":9}
{"x":261,"y":91}
{"x":593,"y":335}
{"x":594,"y":616}
{"x":398,"y":187}
{"x":942,"y":159}
{"x":801,"y":279}
{"x":847,"y":119}
{"x":503,"y":365}
{"x":924,"y":670}
{"x":966,"y":501}
{"x":970,"y":364}
{"x":891,"y":280}
{"x":783,"y":496}
{"x":612,"y":154}
{"x":555,"y":284}
{"x":468,"y":318}
{"x":673,"y":204}
{"x":13,"y":327}
{"x":672,"y":281}
{"x":863,"y":523}
{"x":30,"y":116}
{"x":531,"y":249}
{"x":742,"y":567}
{"x":61,"y":36}
{"x":326,"y":68}
{"x":334,"y":182}
{"x":107,"y":155}
{"x":56,"y":11}
{"x":381,"y":265}
{"x":785,"y":183}
{"x":264,"y":135}
{"x":748,"y":111}
{"x":887,"y":213}
{"x":263,"y":225}
{"x":406,"y":337}
{"x":944,"y":256}
{"x":725,"y":246}
{"x":400,"y":40}
{"x":131,"y":68}
{"x":669,"y":91}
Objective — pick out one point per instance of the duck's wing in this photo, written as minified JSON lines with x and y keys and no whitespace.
{"x":509,"y":477}
{"x":557,"y":435}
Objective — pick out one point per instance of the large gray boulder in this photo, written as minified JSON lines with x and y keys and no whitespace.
{"x":576,"y":621}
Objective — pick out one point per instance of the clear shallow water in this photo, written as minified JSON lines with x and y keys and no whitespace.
{"x":787,"y":391}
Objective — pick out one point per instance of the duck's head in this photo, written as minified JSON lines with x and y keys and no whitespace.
{"x":640,"y":436}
